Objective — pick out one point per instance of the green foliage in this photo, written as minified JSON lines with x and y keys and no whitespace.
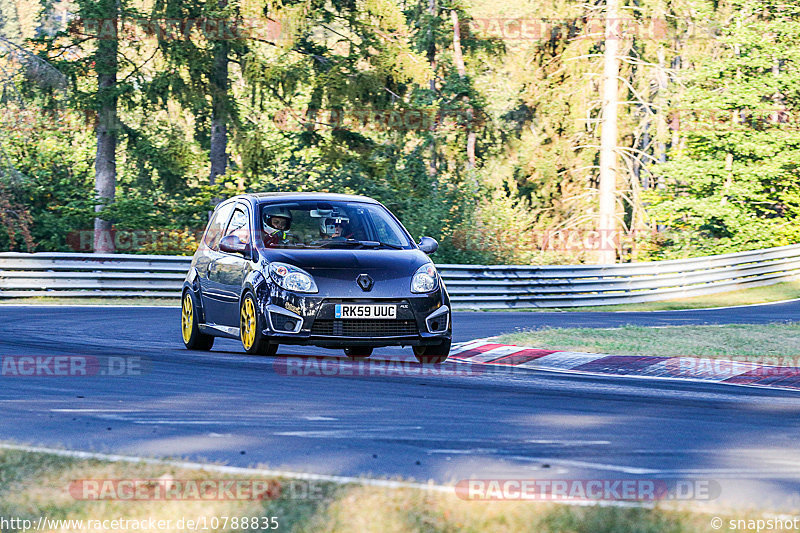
{"x":733,"y":182}
{"x":692,"y":180}
{"x":50,"y":176}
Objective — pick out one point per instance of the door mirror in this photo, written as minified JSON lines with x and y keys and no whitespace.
{"x":428,"y":245}
{"x":231,"y":244}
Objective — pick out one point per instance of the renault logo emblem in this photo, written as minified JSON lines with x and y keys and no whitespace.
{"x":365,"y":282}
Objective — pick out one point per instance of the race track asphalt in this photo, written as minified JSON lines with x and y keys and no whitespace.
{"x":446,"y":425}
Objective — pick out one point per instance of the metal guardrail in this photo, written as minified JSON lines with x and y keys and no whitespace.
{"x":470,"y":286}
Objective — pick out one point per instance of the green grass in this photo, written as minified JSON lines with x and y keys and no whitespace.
{"x":35,"y":484}
{"x":756,"y":295}
{"x":767,"y":343}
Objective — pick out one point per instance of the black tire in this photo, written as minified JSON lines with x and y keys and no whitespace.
{"x":193,"y":339}
{"x":251,"y":326}
{"x":358,"y":352}
{"x":433,"y":354}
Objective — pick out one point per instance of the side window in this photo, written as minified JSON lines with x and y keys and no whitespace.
{"x":239,"y":225}
{"x":217,"y":226}
{"x":385,"y":232}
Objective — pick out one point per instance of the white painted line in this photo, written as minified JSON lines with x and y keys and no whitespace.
{"x":145,"y":422}
{"x":95,"y":411}
{"x":468,"y":451}
{"x":585,"y":464}
{"x":570,"y":442}
{"x":346,"y":433}
{"x":342,"y":480}
{"x":236,"y":470}
{"x":732,"y":473}
{"x":221,"y":469}
{"x":707,"y":308}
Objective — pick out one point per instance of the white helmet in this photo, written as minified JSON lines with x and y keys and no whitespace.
{"x":277,"y":219}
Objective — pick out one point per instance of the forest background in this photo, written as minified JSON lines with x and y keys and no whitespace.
{"x":478,"y":123}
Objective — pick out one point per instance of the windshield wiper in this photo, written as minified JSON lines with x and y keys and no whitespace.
{"x":325,"y":244}
{"x":375,"y":244}
{"x":352,"y":242}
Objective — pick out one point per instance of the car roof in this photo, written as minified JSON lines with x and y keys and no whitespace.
{"x":268,"y":197}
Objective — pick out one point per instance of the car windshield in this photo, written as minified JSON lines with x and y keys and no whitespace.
{"x":330,"y":224}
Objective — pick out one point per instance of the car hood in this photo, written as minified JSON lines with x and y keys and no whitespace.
{"x":335,"y":271}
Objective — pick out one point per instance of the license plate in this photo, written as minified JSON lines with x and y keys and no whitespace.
{"x":365,"y":311}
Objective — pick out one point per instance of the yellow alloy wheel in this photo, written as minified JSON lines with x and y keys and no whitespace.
{"x":248,"y":323}
{"x":187,"y":318}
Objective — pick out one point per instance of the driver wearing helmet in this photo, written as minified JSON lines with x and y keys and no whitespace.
{"x":335,"y":227}
{"x":276,"y":224}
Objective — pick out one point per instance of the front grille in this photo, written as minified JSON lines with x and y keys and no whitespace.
{"x":364,"y":328}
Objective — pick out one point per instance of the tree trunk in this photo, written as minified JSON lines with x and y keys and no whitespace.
{"x":219,"y":108}
{"x":432,"y":11}
{"x":219,"y":119}
{"x":608,"y":139}
{"x":105,"y":165}
{"x":458,"y":58}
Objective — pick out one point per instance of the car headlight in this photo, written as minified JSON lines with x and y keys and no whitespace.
{"x":425,"y":279}
{"x":291,"y":278}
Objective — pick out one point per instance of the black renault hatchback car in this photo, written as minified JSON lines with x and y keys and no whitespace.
{"x":330,"y":270}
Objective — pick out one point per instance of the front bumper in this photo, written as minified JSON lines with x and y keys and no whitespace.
{"x":310,"y":320}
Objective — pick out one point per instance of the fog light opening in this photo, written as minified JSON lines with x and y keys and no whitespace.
{"x":439,"y":320}
{"x":283,"y":321}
